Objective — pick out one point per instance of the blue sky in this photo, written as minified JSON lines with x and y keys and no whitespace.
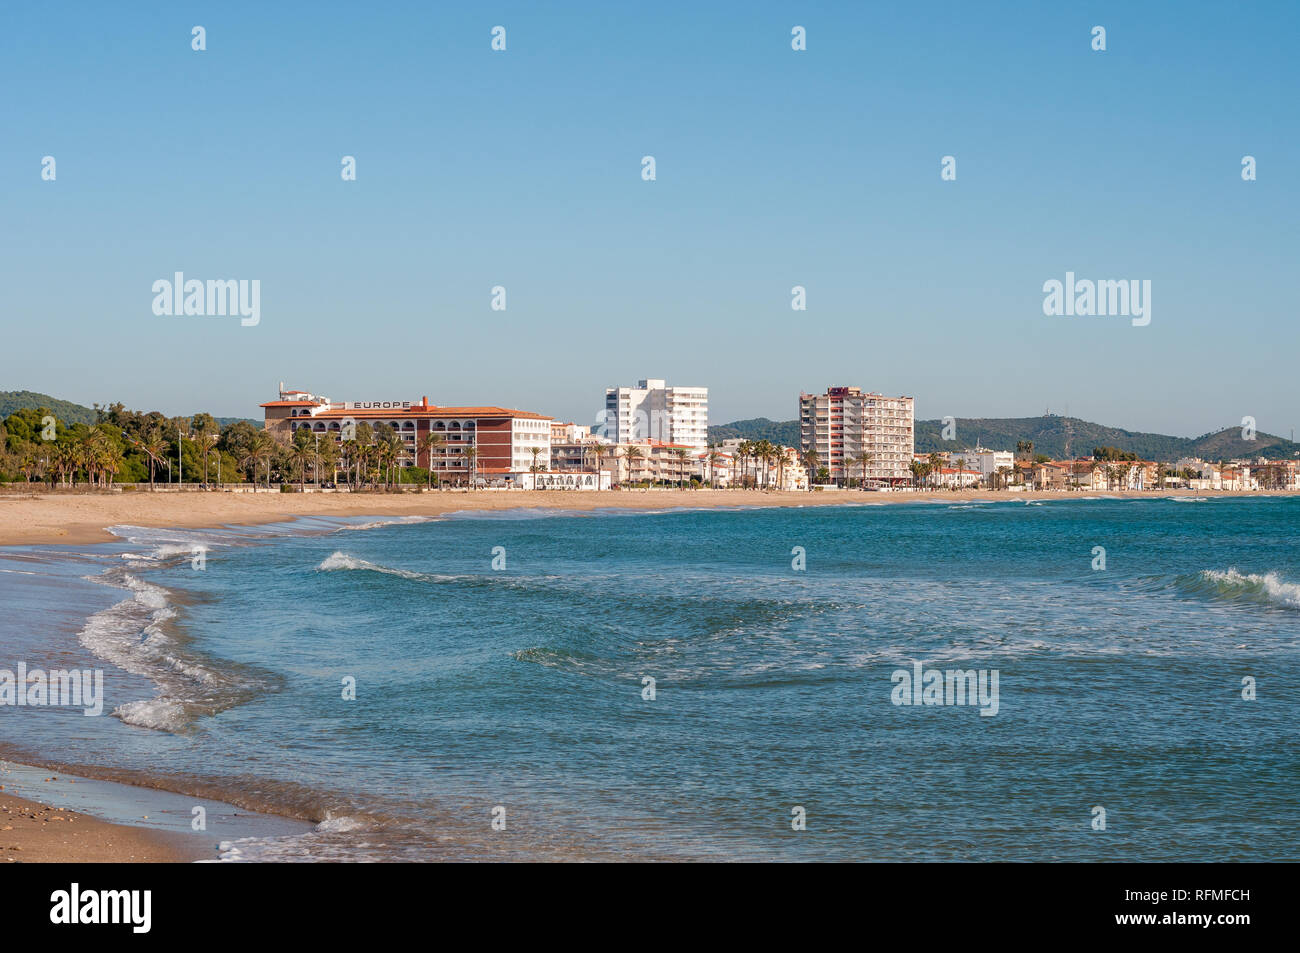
{"x":775,"y":168}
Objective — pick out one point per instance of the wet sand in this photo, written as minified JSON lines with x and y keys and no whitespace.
{"x":35,"y":833}
{"x":50,"y":816}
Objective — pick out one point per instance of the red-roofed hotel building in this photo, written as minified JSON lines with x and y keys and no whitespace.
{"x":504,"y":439}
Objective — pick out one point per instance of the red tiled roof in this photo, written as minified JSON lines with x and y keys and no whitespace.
{"x":289,"y":403}
{"x":415,"y":410}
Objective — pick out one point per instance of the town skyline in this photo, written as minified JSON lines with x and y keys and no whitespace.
{"x":1280,"y":428}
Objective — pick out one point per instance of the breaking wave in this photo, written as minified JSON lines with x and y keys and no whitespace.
{"x":138,"y":636}
{"x":1258,"y":588}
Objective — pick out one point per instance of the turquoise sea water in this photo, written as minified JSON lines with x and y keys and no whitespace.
{"x":521,"y":687}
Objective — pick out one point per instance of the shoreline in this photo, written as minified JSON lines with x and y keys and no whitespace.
{"x":39,"y":518}
{"x":35,"y":833}
{"x":50,"y":816}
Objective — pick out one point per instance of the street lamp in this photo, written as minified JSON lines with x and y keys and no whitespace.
{"x":180,"y":462}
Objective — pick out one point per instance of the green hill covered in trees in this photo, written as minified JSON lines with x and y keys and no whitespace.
{"x":66,"y":411}
{"x":1050,"y":435}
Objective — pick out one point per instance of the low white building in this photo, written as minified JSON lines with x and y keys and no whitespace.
{"x":951,"y":477}
{"x":565,"y":481}
{"x":1205,"y":476}
{"x":986,"y":462}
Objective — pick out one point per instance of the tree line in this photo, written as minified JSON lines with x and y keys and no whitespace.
{"x":127,"y":446}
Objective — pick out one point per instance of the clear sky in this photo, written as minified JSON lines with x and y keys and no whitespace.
{"x":775,"y":168}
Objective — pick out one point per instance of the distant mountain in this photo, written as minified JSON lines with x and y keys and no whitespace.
{"x":70,"y":413}
{"x":783,"y":432}
{"x":1049,"y":435}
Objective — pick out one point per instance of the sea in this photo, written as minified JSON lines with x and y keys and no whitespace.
{"x":725,"y":684}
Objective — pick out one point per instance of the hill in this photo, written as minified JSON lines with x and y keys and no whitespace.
{"x":67,"y":412}
{"x":783,"y":432}
{"x":1049,"y":434}
{"x":70,"y":413}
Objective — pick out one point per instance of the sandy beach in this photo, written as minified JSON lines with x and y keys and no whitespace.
{"x":31,"y":832}
{"x":81,"y":517}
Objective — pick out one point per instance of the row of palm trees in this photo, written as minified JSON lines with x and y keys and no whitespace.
{"x":367,"y":459}
{"x":812,"y":461}
{"x":928,"y":470}
{"x":628,"y":455}
{"x":94,"y":455}
{"x":631,"y":456}
{"x":373,"y":463}
{"x":763,"y":455}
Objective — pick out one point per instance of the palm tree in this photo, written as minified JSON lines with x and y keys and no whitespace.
{"x":784,"y":457}
{"x":389,"y":451}
{"x":395,"y":448}
{"x":631,"y":454}
{"x":917,"y":468}
{"x":743,"y":452}
{"x":811,"y":460}
{"x":356,"y":457}
{"x":766,"y":454}
{"x":88,"y":454}
{"x":428,"y":444}
{"x":207,"y":441}
{"x":681,"y":453}
{"x":260,"y":447}
{"x":936,"y":466}
{"x":300,"y":452}
{"x":110,"y":463}
{"x":154,"y":447}
{"x":66,"y":460}
{"x":348,"y":450}
{"x":862,"y":460}
{"x":328,"y":459}
{"x":714,"y":458}
{"x":471,"y":461}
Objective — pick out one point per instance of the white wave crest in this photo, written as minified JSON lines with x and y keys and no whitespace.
{"x":160,"y":714}
{"x":1269,"y":586}
{"x":339,"y":560}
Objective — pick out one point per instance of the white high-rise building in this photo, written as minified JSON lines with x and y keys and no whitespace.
{"x":845,"y":423}
{"x":653,"y":411}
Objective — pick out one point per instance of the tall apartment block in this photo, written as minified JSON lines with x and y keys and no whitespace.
{"x":653,"y":411}
{"x":845,"y":422}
